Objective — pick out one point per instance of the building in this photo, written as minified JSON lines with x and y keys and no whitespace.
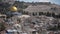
{"x":8,"y":1}
{"x":42,"y":7}
{"x":3,"y":16}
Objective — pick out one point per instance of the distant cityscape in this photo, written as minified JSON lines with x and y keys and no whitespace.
{"x":19,"y":17}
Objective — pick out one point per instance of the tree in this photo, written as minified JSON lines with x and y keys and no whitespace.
{"x":59,"y":16}
{"x":20,"y":4}
{"x":40,"y":13}
{"x":55,"y":28}
{"x":54,"y":8}
{"x":2,"y":27}
{"x":4,"y":7}
{"x":53,"y":14}
{"x":59,"y":26}
{"x":33,"y":14}
{"x":48,"y":14}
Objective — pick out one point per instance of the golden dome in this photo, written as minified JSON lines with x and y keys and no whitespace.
{"x":13,"y":8}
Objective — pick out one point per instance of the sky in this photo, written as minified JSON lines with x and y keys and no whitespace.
{"x":52,"y":1}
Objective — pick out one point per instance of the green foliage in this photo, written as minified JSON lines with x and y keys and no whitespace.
{"x":2,"y":27}
{"x":53,"y":14}
{"x":58,"y":26}
{"x":40,"y":13}
{"x":4,"y":8}
{"x":48,"y":14}
{"x":33,"y":14}
{"x":53,"y":28}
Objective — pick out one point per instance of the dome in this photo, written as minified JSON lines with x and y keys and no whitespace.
{"x":13,"y":8}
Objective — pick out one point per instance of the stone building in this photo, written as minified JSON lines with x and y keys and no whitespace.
{"x":41,"y":8}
